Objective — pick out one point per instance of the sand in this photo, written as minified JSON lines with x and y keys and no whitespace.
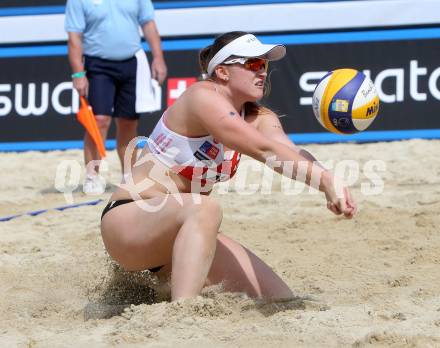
{"x":370,"y":281}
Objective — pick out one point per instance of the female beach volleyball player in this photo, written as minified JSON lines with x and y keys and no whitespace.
{"x":197,"y":142}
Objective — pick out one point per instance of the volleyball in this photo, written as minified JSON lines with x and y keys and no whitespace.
{"x":345,"y":101}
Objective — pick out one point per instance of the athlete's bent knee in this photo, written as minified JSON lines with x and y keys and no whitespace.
{"x":208,"y":211}
{"x":211,"y":210}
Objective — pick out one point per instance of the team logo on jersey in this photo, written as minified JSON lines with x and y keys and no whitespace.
{"x":200,"y":156}
{"x":209,"y":149}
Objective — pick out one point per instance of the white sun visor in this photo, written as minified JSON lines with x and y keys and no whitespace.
{"x":246,"y":46}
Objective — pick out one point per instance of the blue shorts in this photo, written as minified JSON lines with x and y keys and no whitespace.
{"x":112,"y":86}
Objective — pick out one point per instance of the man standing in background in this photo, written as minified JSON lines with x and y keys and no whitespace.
{"x":110,"y":68}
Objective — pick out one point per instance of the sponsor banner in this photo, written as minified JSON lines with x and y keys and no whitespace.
{"x":406,"y":75}
{"x":36,"y":95}
{"x":37,"y":102}
{"x":285,"y":17}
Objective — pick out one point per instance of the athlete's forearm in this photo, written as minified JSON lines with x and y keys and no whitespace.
{"x":293,"y":164}
{"x":309,"y":156}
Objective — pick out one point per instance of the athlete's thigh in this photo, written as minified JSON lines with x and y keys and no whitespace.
{"x":240,"y":270}
{"x":141,"y":234}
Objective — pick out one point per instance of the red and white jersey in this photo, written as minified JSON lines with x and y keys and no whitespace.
{"x":202,"y":159}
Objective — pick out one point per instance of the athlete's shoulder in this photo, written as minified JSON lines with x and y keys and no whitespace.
{"x":201,"y":88}
{"x":204,"y":93}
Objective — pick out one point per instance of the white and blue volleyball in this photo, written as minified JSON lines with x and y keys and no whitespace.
{"x":345,"y":101}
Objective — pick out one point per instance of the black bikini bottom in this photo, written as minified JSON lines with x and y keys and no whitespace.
{"x":114,"y":204}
